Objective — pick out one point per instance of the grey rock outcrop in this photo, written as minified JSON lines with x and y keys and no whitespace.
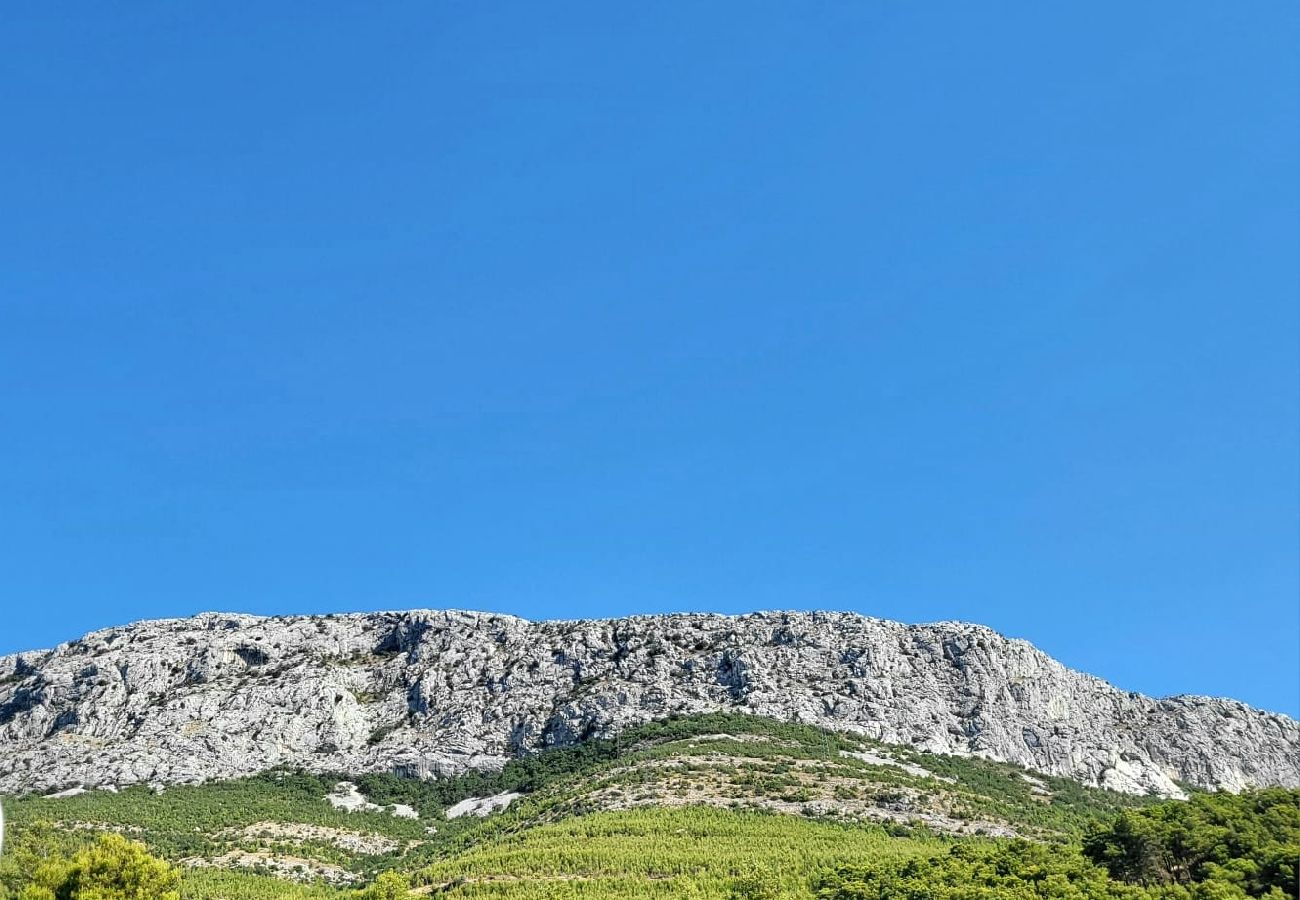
{"x":428,"y":693}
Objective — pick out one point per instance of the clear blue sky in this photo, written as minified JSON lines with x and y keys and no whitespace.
{"x":924,"y":310}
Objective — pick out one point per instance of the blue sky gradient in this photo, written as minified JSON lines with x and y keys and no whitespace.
{"x":929,"y":311}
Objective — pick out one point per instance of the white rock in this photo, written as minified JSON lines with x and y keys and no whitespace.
{"x":481,"y":806}
{"x":346,"y":796}
{"x":430,"y":694}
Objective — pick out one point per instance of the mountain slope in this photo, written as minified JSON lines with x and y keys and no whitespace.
{"x":434,"y":693}
{"x":673,"y":808}
{"x":710,"y":806}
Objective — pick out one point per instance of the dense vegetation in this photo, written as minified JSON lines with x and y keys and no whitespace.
{"x":1219,"y":847}
{"x":719,"y":806}
{"x":1249,"y":842}
{"x":109,"y":868}
{"x":690,"y":852}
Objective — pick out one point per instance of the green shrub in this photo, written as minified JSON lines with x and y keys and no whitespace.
{"x":758,"y":884}
{"x":388,"y":886}
{"x":112,"y":868}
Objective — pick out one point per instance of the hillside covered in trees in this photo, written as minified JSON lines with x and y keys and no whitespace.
{"x":716,"y":806}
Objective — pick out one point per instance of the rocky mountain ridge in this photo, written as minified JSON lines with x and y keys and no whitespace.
{"x":426,"y":693}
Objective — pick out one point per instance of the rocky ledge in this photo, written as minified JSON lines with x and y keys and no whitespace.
{"x":427,"y":693}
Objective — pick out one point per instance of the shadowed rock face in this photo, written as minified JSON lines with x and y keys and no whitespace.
{"x":427,"y":693}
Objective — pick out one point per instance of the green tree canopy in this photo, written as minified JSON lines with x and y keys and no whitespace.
{"x":1212,"y":847}
{"x":112,"y":868}
{"x":1249,"y":840}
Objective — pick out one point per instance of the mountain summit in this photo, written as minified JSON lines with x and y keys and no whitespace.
{"x":429,"y":693}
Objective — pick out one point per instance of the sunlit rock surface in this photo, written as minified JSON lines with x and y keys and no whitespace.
{"x":427,"y":693}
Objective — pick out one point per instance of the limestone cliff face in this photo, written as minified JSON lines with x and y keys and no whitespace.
{"x":428,"y":693}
